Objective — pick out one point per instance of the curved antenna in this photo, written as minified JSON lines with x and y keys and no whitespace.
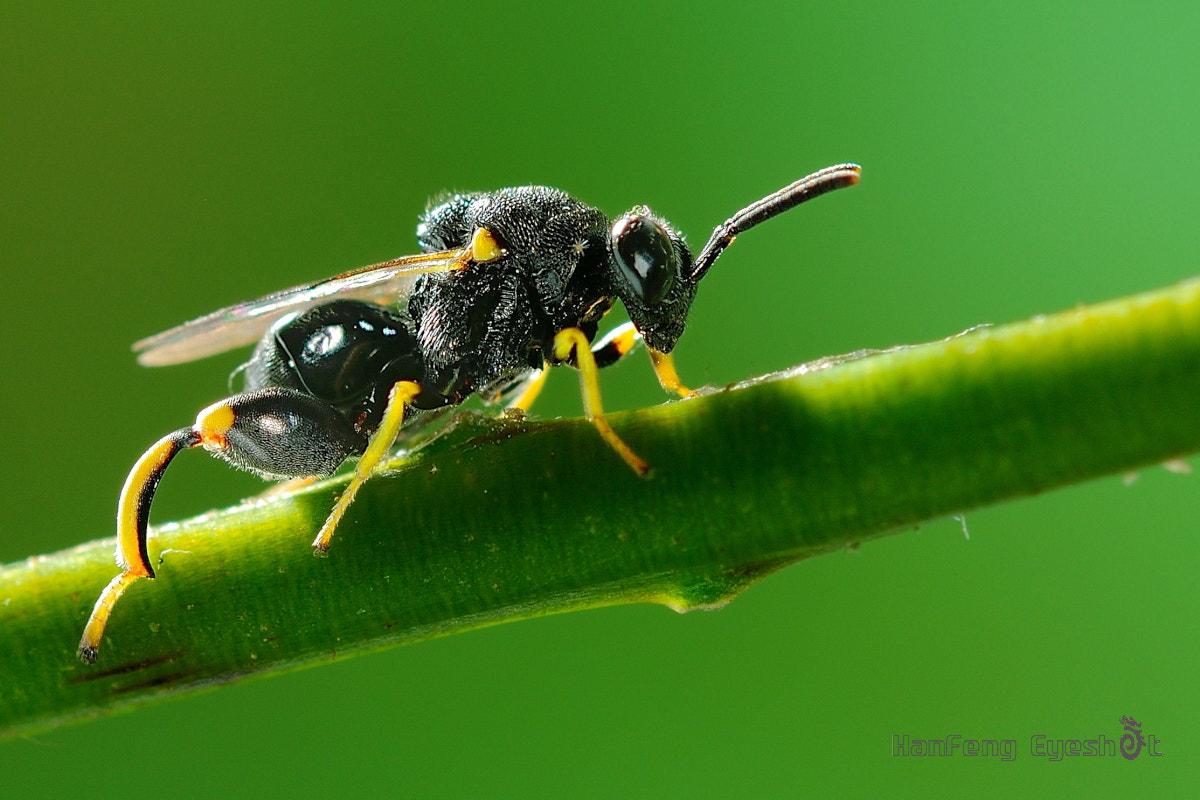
{"x":838,"y":176}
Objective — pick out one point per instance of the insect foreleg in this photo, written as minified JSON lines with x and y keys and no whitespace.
{"x":621,"y":340}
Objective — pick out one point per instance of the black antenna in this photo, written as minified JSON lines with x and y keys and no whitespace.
{"x":838,"y":176}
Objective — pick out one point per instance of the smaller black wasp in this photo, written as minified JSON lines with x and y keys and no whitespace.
{"x":508,"y":283}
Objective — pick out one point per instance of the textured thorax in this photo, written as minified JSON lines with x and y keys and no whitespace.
{"x":487,"y":324}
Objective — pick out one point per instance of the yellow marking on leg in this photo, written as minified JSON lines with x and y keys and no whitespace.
{"x":668,"y":378}
{"x":571,"y":340}
{"x":624,"y":337}
{"x":89,"y":645}
{"x":144,"y":477}
{"x":132,"y":512}
{"x":401,"y":395}
{"x":525,"y":399}
{"x":213,"y":423}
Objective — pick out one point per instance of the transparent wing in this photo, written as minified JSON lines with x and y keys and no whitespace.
{"x":243,"y":324}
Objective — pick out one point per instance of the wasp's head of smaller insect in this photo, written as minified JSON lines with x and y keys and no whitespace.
{"x":652,"y":276}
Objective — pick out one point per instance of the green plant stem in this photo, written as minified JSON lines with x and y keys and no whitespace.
{"x":499,"y":520}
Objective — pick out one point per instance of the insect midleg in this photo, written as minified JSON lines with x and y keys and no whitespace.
{"x":573,"y":341}
{"x":399,"y":398}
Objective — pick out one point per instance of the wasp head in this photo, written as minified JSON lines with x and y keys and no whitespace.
{"x":652,"y":276}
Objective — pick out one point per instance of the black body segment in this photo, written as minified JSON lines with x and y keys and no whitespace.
{"x":268,"y":424}
{"x":480,"y":327}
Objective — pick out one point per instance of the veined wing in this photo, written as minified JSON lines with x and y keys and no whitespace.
{"x":243,"y":324}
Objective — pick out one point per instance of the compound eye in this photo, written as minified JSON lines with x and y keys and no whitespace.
{"x":644,"y":253}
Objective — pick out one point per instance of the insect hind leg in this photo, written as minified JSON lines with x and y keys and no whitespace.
{"x":277,"y":433}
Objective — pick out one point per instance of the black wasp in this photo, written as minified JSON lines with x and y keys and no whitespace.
{"x":508,"y":283}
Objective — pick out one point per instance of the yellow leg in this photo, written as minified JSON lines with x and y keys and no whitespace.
{"x":622,"y":339}
{"x":573,"y":340}
{"x":133,"y":512}
{"x":381,"y":442}
{"x":93,"y":632}
{"x":668,"y":378}
{"x":525,"y":399}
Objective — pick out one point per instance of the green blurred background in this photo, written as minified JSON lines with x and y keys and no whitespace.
{"x":1018,"y":159}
